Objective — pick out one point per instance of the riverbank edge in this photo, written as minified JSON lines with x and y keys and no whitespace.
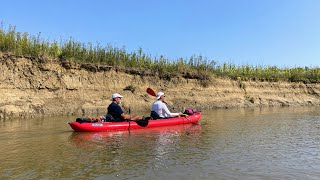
{"x":42,"y":87}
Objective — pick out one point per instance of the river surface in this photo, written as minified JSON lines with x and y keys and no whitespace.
{"x":267,"y":143}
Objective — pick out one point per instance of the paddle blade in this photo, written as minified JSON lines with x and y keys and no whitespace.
{"x":151,"y":92}
{"x":142,"y":122}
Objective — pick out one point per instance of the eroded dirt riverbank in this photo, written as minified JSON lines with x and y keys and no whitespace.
{"x":32,"y":87}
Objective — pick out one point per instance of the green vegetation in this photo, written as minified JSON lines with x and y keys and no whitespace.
{"x":196,"y":67}
{"x":271,"y":73}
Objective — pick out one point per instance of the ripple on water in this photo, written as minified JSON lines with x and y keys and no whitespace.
{"x":275,"y":143}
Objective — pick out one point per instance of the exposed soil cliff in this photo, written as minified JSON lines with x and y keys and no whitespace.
{"x":42,"y":87}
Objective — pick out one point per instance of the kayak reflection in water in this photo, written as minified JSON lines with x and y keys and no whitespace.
{"x":160,"y":110}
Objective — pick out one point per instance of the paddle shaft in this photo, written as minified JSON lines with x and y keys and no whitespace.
{"x":152,"y":93}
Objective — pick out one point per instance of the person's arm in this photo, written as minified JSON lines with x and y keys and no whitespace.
{"x":132,"y":118}
{"x":175,"y":114}
{"x":166,"y":110}
{"x":125,"y":116}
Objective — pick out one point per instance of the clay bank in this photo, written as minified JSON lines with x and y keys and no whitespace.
{"x":33,"y":87}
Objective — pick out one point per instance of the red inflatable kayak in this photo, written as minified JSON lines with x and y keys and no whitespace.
{"x":115,"y":126}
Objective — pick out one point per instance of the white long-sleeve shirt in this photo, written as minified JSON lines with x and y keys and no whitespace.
{"x":162,"y":110}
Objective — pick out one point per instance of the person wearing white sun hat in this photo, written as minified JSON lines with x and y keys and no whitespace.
{"x":115,"y":112}
{"x":160,"y":109}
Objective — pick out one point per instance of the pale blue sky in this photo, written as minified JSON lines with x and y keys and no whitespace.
{"x":285,"y":33}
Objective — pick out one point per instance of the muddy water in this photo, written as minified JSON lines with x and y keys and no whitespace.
{"x":269,"y":143}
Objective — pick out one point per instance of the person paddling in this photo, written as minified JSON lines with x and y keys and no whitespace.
{"x":115,"y":112}
{"x":160,"y":109}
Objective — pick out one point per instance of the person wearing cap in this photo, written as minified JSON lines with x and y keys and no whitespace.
{"x":115,"y":111}
{"x":160,"y":109}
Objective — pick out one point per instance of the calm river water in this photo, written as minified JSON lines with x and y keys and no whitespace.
{"x":268,"y":143}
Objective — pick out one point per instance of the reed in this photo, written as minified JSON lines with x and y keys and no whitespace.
{"x":197,"y":67}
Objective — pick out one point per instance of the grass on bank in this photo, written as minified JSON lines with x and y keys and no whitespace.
{"x":194,"y":67}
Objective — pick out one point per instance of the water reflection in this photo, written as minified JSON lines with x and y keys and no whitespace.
{"x":263,"y":143}
{"x":150,"y":148}
{"x":161,"y":136}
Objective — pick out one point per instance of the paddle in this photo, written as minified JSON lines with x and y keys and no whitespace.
{"x":142,"y":122}
{"x":152,"y":93}
{"x":185,"y":116}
